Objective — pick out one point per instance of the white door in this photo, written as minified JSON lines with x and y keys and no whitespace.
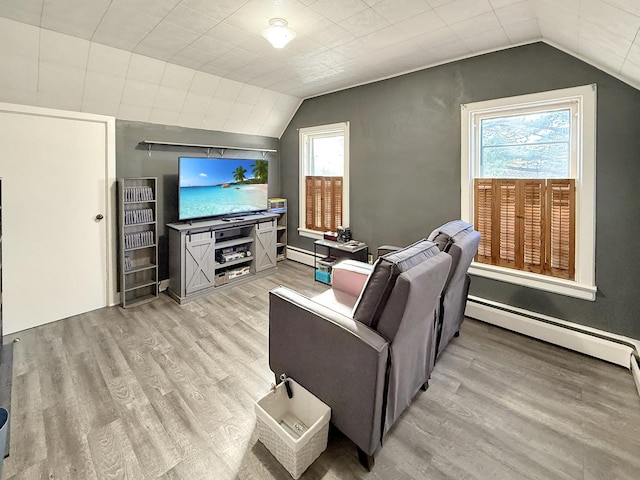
{"x":54,"y":248}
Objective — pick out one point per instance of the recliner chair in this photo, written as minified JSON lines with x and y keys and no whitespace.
{"x":366,"y":346}
{"x":460,"y":240}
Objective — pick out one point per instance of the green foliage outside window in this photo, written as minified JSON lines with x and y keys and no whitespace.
{"x":531,"y":145}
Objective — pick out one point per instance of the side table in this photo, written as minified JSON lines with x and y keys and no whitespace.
{"x":337,"y":250}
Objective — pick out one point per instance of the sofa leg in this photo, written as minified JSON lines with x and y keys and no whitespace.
{"x":367,"y":461}
{"x":425,"y":386}
{"x":457,"y":334}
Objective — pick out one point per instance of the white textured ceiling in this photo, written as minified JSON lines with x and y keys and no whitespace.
{"x":339,"y":43}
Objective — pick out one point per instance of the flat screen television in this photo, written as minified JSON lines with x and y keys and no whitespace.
{"x":217,"y":187}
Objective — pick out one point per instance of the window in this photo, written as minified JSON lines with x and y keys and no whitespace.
{"x":324,"y":179}
{"x":528,"y":186}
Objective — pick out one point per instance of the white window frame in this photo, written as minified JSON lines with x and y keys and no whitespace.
{"x":584,"y":166}
{"x":304,"y":139}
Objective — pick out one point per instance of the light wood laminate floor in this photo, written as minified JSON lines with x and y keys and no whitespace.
{"x":166,"y":391}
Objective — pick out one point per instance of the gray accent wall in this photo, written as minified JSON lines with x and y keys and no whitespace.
{"x":405,"y":167}
{"x":134,"y":160}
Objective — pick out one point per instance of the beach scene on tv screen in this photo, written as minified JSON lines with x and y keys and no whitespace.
{"x":210,"y":187}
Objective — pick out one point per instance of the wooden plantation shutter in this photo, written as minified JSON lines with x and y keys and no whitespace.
{"x":323,"y":203}
{"x":531,"y":219}
{"x":506,"y":237}
{"x":561,"y":210}
{"x":526,"y":224}
{"x":483,"y":196}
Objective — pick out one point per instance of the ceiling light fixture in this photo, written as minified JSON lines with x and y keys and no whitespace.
{"x":278,"y":33}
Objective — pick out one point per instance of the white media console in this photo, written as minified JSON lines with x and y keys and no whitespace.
{"x":211,"y":254}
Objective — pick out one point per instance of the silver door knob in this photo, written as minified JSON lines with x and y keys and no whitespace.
{"x":99,"y":217}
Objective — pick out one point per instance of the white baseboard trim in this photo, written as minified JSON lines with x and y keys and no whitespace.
{"x":606,"y":346}
{"x":301,"y":255}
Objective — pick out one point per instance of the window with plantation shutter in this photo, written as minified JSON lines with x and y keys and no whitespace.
{"x":324,"y":179}
{"x":528,"y":186}
{"x":527,"y":224}
{"x":323,"y":203}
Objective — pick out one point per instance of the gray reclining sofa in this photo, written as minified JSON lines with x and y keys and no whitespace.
{"x":366,"y":346}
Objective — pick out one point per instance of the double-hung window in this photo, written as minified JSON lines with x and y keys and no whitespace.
{"x":528,"y":186}
{"x":324,"y":179}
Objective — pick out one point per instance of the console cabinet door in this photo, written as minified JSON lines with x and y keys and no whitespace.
{"x":199,"y":261}
{"x":265,"y":246}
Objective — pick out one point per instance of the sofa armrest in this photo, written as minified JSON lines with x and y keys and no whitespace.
{"x":350,"y":276}
{"x":384,"y":249}
{"x":338,"y":359}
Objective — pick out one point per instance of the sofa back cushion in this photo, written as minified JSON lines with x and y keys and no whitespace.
{"x":449,"y":233}
{"x":460,"y":240}
{"x":385,"y":272}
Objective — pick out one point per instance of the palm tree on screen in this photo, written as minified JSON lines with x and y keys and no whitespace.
{"x":239,"y":174}
{"x":260,"y":170}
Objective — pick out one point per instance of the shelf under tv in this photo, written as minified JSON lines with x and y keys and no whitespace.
{"x":222,"y":148}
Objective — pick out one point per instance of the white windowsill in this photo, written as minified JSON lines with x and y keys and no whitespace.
{"x":534,"y":280}
{"x":303,"y":232}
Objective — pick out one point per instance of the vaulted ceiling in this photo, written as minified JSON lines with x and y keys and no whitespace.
{"x":339,"y":43}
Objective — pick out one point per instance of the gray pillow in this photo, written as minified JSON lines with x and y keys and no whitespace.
{"x":376,"y":291}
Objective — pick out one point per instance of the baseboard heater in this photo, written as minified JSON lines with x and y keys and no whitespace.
{"x":301,"y":255}
{"x":613,"y":348}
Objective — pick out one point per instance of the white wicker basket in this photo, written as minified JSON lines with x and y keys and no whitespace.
{"x":295,"y":454}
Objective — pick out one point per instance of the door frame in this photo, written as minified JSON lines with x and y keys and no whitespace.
{"x":109,"y":123}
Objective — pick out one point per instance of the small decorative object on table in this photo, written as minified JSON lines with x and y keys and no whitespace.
{"x":332,"y":236}
{"x":344,"y":234}
{"x":353,"y":244}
